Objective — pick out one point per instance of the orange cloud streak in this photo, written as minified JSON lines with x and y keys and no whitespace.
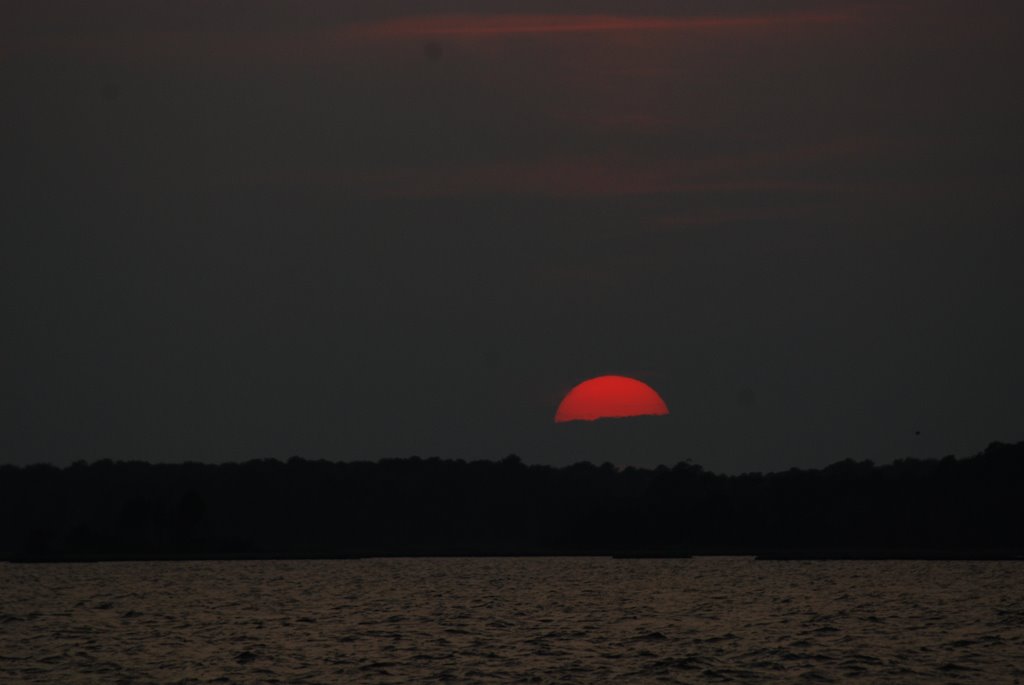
{"x":512,"y":24}
{"x":321,"y":43}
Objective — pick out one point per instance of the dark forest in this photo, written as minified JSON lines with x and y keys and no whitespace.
{"x":943,"y":508}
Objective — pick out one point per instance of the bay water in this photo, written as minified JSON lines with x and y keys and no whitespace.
{"x":543,"y":620}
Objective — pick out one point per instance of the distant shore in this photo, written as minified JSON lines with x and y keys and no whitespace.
{"x":756,"y":555}
{"x":945,"y":509}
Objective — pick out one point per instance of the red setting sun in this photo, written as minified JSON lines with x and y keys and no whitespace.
{"x":607,"y":397}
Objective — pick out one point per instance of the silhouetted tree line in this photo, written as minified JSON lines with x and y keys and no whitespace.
{"x":301,"y":508}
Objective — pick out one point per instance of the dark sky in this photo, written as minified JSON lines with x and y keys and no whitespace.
{"x":347,"y":230}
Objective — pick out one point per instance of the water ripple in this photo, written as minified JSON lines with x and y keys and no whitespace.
{"x":513,"y":620}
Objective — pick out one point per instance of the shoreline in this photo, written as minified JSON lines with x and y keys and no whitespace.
{"x":865,"y":554}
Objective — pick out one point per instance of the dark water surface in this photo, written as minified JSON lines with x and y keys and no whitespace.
{"x":587,"y":620}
